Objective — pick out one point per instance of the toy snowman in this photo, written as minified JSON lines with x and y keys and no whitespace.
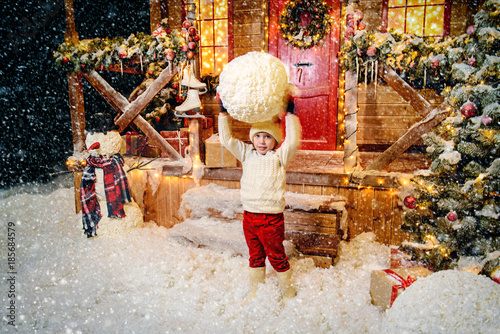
{"x":104,"y":191}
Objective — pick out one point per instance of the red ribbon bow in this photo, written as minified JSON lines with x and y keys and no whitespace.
{"x":404,"y":283}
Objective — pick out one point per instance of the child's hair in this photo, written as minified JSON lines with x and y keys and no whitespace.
{"x":270,"y":127}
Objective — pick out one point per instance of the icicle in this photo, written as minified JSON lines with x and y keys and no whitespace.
{"x":140,"y":57}
{"x":373,"y":70}
{"x":376,"y":76}
{"x":366,"y":74}
{"x":425,"y":77}
{"x":357,"y":67}
{"x":121,"y":67}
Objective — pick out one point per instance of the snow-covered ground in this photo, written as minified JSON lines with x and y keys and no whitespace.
{"x":154,"y":281}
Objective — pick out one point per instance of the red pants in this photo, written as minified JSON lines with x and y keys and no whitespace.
{"x":264,"y":234}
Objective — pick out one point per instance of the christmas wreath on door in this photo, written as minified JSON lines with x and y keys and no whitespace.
{"x":305,"y":23}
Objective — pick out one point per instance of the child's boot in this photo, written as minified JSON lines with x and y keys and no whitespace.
{"x":287,"y":290}
{"x":257,"y":275}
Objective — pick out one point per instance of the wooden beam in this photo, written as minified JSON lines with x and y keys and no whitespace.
{"x":421,"y":105}
{"x":120,"y":104}
{"x":133,"y":109}
{"x":414,"y":133}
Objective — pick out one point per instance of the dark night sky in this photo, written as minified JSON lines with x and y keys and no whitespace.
{"x":35,"y":119}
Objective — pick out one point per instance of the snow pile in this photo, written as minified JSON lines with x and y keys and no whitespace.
{"x":448,"y":301}
{"x":253,"y":87}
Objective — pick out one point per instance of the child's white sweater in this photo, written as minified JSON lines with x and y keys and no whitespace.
{"x":264,"y":176}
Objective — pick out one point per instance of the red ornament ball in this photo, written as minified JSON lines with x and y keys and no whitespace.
{"x":190,"y":54}
{"x":471,"y":30}
{"x":468,"y":109}
{"x":361,"y":25}
{"x":186,"y":24}
{"x":410,"y":202}
{"x":65,"y":59}
{"x":452,"y":216}
{"x":192,"y":31}
{"x":157,"y":119}
{"x":169,"y":54}
{"x":191,"y":45}
{"x":371,"y":51}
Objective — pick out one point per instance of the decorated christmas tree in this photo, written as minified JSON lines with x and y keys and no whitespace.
{"x":453,"y":209}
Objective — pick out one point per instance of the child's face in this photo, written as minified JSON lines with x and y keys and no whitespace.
{"x":263,"y":142}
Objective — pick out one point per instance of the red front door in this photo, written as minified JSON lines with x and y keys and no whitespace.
{"x":314,"y":72}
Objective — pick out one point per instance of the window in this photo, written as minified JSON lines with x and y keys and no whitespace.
{"x":213,"y":22}
{"x":419,"y":17}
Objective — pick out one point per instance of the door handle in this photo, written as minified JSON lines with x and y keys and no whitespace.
{"x":303,"y":64}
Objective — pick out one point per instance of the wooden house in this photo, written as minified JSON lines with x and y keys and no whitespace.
{"x":351,"y":125}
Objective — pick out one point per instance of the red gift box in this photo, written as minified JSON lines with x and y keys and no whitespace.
{"x":134,"y":143}
{"x":179,"y":140}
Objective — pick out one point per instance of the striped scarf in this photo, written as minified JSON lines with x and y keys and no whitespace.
{"x":116,"y":189}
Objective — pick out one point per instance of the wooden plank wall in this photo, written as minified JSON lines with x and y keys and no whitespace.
{"x":369,"y":209}
{"x":384,"y":116}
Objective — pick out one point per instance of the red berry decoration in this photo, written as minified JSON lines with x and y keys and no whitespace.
{"x":65,"y":59}
{"x":452,"y":216}
{"x":410,"y":202}
{"x":435,"y":63}
{"x":468,"y":109}
{"x":157,"y":119}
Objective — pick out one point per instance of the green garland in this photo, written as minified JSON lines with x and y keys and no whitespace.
{"x":140,"y":50}
{"x":315,"y":31}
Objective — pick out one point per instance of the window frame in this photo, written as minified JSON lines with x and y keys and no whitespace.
{"x":446,"y":18}
{"x":230,"y":34}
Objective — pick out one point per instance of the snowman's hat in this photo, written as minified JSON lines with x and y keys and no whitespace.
{"x":101,"y":122}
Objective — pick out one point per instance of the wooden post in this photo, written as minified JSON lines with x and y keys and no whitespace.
{"x":77,"y":111}
{"x":351,"y":120}
{"x":154,"y":14}
{"x":409,"y":138}
{"x":70,"y":34}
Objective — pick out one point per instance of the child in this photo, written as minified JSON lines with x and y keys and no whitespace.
{"x":262,"y":194}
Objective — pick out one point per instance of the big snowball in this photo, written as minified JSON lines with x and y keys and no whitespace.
{"x":253,"y":87}
{"x":449,"y":301}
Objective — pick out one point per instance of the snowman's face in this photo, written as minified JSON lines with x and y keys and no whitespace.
{"x":110,"y":143}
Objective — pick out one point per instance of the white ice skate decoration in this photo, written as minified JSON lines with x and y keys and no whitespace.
{"x":189,"y":80}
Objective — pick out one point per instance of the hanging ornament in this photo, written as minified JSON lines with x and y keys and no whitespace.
{"x":65,"y":59}
{"x":371,"y":51}
{"x":452,"y":216}
{"x":486,"y":120}
{"x":410,"y":202}
{"x":305,"y":23}
{"x":471,"y":30}
{"x":468,"y":109}
{"x":471,"y":61}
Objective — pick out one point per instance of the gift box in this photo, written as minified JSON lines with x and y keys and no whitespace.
{"x":134,"y":143}
{"x":386,"y":285}
{"x":179,"y":140}
{"x":216,"y":155}
{"x":151,"y":151}
{"x":204,"y":123}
